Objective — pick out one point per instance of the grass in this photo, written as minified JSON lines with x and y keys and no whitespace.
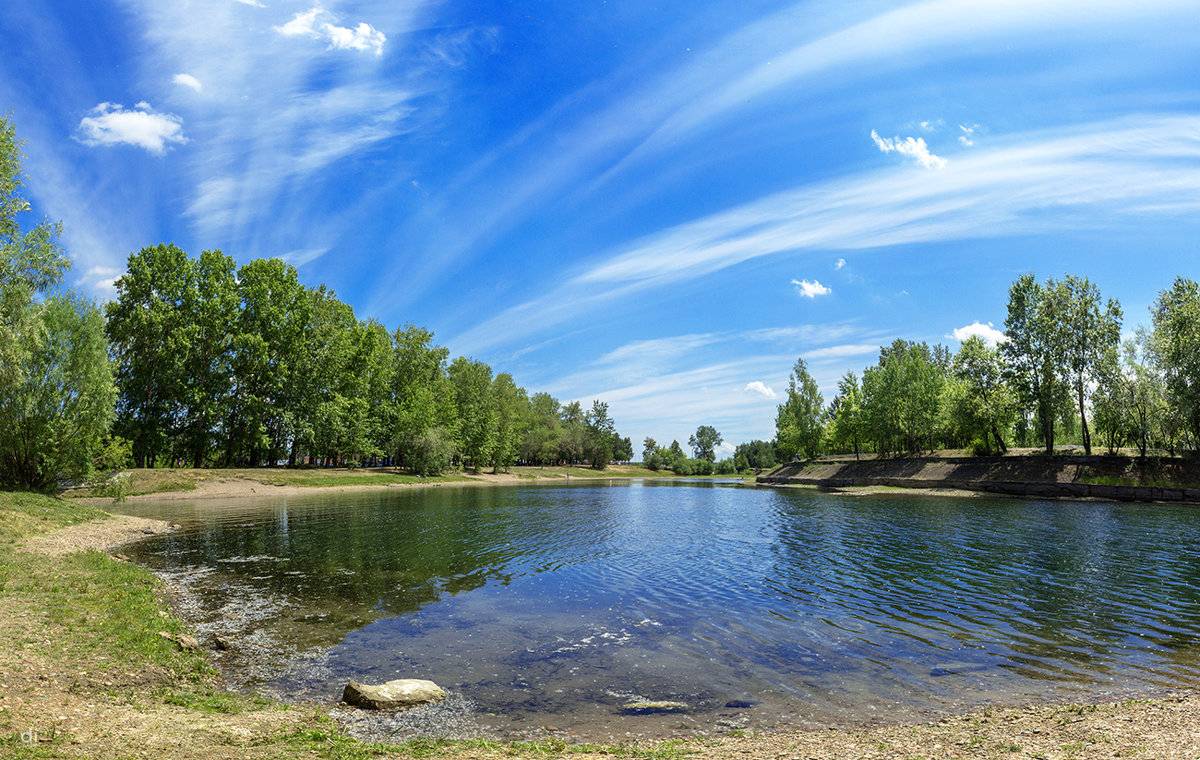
{"x":85,"y":624}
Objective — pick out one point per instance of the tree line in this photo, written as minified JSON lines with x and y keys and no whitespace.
{"x":1062,"y":374}
{"x":200,"y":362}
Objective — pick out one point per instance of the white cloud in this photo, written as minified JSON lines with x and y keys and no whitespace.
{"x":987,"y":332}
{"x":101,"y":280}
{"x":761,"y":388}
{"x":1081,"y":175}
{"x":839,"y":263}
{"x":915,"y":148}
{"x":318,"y":24}
{"x":113,"y":124}
{"x":299,"y":258}
{"x":187,"y":80}
{"x":252,"y":3}
{"x":967,"y":137}
{"x":839,"y":352}
{"x":811,"y":289}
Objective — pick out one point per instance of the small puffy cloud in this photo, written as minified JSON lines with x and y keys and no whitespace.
{"x":839,"y":263}
{"x":187,"y":80}
{"x":987,"y":332}
{"x":967,"y":137}
{"x":319,"y":24}
{"x":811,"y":289}
{"x":913,"y":147}
{"x":725,"y":450}
{"x":761,"y":389}
{"x":113,"y":124}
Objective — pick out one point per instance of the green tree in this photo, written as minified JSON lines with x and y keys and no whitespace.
{"x":1033,"y":355}
{"x":210,"y":306}
{"x":758,"y":455}
{"x":269,"y":367}
{"x":56,"y":383}
{"x":1088,"y":336}
{"x":798,"y":421}
{"x":989,"y":404}
{"x":600,"y":433}
{"x":426,"y":417}
{"x":1176,"y":340}
{"x":477,"y":423}
{"x":649,"y":449}
{"x":510,"y":402}
{"x":150,"y":332}
{"x":704,"y":442}
{"x":848,"y":418}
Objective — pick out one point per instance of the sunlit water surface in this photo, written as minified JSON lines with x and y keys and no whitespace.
{"x":555,"y":605}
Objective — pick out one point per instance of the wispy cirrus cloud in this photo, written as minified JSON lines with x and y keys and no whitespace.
{"x":187,"y":80}
{"x":1088,"y":175}
{"x":140,"y":126}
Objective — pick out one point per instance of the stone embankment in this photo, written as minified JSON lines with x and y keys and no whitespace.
{"x":1071,"y":477}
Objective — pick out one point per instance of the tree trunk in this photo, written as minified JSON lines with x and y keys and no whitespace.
{"x":1087,"y":437}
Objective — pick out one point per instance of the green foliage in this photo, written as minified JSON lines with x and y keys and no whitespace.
{"x":56,"y":387}
{"x":704,"y":442}
{"x":980,"y":405}
{"x":600,"y":434}
{"x":1088,"y":337}
{"x":798,"y":422}
{"x":471,"y":381}
{"x":756,"y":455}
{"x":1176,"y":345}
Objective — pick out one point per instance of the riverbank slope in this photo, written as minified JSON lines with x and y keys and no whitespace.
{"x":1069,"y":476}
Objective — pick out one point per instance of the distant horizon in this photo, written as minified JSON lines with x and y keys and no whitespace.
{"x":658,"y":208}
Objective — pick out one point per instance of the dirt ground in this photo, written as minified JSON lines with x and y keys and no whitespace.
{"x":83,"y":709}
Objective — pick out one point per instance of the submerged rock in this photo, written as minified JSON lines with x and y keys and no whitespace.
{"x":647,"y":707}
{"x":393,"y":695}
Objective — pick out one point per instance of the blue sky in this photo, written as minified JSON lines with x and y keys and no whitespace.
{"x":660,"y":205}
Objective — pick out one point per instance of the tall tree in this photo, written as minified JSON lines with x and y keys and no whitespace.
{"x":426,"y":416}
{"x":1088,"y":336}
{"x":510,"y":402}
{"x":848,"y":420}
{"x":1176,"y":319}
{"x":56,"y":384}
{"x":210,"y":306}
{"x":471,"y":381}
{"x":1033,"y":354}
{"x":600,"y":433}
{"x":992,"y":406}
{"x":798,"y":421}
{"x":150,"y":331}
{"x":704,"y":443}
{"x":270,"y":372}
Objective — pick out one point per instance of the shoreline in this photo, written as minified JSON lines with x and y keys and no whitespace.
{"x":1166,"y":725}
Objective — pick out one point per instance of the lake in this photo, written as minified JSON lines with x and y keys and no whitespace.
{"x":553,"y":605}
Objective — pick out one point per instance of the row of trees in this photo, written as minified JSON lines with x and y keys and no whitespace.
{"x":755,"y":455}
{"x":1062,"y":372}
{"x":201,"y":362}
{"x":219,"y":364}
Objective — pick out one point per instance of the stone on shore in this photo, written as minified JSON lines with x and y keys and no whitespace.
{"x":647,"y":707}
{"x":393,"y":695}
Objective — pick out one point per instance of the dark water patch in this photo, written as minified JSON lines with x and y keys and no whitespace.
{"x":558,"y":605}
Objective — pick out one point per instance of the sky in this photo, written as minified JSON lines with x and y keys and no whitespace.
{"x":656,"y":205}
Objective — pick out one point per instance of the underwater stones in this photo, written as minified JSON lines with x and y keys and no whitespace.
{"x":393,"y":695}
{"x":649,"y":707}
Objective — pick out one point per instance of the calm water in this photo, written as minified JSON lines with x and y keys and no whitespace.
{"x":553,"y":605}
